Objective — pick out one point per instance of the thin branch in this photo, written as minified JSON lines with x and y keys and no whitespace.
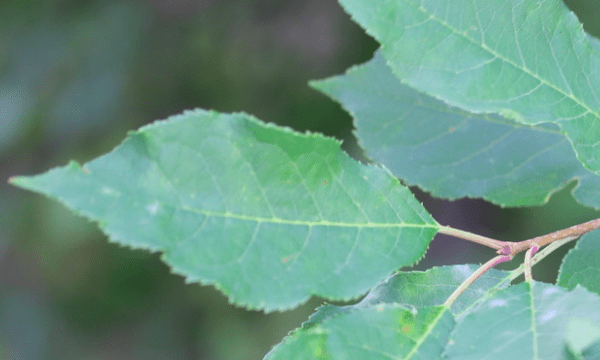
{"x":540,"y":256}
{"x":543,"y":240}
{"x":508,"y":249}
{"x":474,"y":276}
{"x":465,"y":235}
{"x":513,"y":248}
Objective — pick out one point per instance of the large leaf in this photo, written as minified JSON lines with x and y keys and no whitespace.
{"x":526,"y":321}
{"x":268,"y":215}
{"x":452,"y":153}
{"x":386,"y":331}
{"x":530,"y":61}
{"x":581,"y":266}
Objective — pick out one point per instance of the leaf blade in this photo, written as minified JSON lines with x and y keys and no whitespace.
{"x":419,"y":289}
{"x":524,"y":321}
{"x":452,"y":153}
{"x":248,"y":207}
{"x":387,"y":331}
{"x":581,"y":265}
{"x":528,"y":61}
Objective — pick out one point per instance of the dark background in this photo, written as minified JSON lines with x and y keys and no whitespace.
{"x":75,"y":76}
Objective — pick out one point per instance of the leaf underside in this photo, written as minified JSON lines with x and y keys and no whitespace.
{"x":452,"y":153}
{"x":529,"y":61}
{"x":268,"y":215}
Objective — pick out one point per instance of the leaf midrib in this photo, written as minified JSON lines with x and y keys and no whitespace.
{"x":533,"y":315}
{"x":426,"y":334}
{"x":274,"y":220}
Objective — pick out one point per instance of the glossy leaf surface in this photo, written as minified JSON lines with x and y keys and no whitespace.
{"x":452,"y":153}
{"x":268,"y":215}
{"x":529,"y":61}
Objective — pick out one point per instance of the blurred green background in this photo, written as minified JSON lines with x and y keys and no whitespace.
{"x":75,"y":76}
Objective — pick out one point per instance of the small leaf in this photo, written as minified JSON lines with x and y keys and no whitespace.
{"x":386,"y":331}
{"x":529,"y":61}
{"x":525,"y":321}
{"x":268,"y":215}
{"x":581,"y":265}
{"x":452,"y":153}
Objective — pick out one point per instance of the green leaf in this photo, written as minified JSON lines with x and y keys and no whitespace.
{"x":526,"y":321}
{"x":434,"y":286}
{"x":268,"y":215}
{"x":452,"y":153}
{"x":529,"y":61}
{"x":422,"y":289}
{"x":581,"y":335}
{"x":581,"y":265}
{"x":592,"y":352}
{"x":386,"y":331}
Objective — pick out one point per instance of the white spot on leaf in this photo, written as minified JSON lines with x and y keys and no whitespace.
{"x":461,"y":272}
{"x":152,"y":208}
{"x":550,"y":290}
{"x":547,"y":316}
{"x":497,"y":302}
